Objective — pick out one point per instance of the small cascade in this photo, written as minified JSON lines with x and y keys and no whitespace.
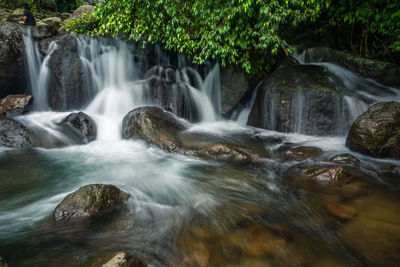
{"x":359,"y":92}
{"x":107,"y":78}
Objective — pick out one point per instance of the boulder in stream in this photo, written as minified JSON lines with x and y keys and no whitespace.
{"x":377,"y":131}
{"x":302,"y":152}
{"x":80,"y":127}
{"x":299,"y":98}
{"x":345,"y":158}
{"x":88,"y":201}
{"x":163,"y":129}
{"x":116,"y":259}
{"x":15,"y":105}
{"x":14,"y":134}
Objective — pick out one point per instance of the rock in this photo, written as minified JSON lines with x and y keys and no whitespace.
{"x":71,"y":88}
{"x":377,"y":131}
{"x":155,"y":126}
{"x":18,"y":12}
{"x":293,"y":99}
{"x":374,"y":234}
{"x":340,"y":211}
{"x":88,"y":201}
{"x":65,"y":16}
{"x":383,"y":72}
{"x":312,"y":178}
{"x":53,"y":21}
{"x":234,"y":84}
{"x":3,"y":263}
{"x":80,"y":127}
{"x":302,"y":152}
{"x":163,"y":129}
{"x":346,"y":158}
{"x":221,"y":152}
{"x":12,"y":70}
{"x":67,"y":42}
{"x":164,"y":88}
{"x":43,"y":30}
{"x":14,"y":134}
{"x":196,"y":253}
{"x":15,"y":105}
{"x":116,"y":259}
{"x":80,"y":12}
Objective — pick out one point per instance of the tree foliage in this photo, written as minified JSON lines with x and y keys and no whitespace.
{"x":240,"y":32}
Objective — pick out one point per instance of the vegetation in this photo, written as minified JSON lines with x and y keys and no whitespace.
{"x":244,"y":32}
{"x":35,"y":5}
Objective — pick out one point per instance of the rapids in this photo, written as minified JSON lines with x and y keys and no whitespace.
{"x":184,"y":211}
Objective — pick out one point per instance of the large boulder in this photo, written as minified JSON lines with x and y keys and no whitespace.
{"x":14,"y":134}
{"x":377,"y":131}
{"x":15,"y":105}
{"x":155,"y":126}
{"x":53,"y":21}
{"x":88,"y":201}
{"x":163,"y":129}
{"x":80,"y":127}
{"x":12,"y":71}
{"x":299,"y":98}
{"x":67,"y":42}
{"x":71,"y":87}
{"x":80,"y":12}
{"x":383,"y":72}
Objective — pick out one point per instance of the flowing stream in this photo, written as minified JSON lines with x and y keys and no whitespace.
{"x":186,"y":211}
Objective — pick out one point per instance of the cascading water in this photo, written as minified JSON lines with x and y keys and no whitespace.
{"x":359,"y":92}
{"x":115,"y":79}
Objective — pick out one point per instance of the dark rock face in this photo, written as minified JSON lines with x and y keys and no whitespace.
{"x":346,"y":158}
{"x":155,"y":126}
{"x":377,"y":131}
{"x":383,"y":72}
{"x":67,"y":42}
{"x":14,"y":134}
{"x":120,"y":259}
{"x":71,"y":86}
{"x":234,"y":85}
{"x":164,"y":89}
{"x":15,"y":105}
{"x":89,"y":200}
{"x":162,"y":129}
{"x":80,"y":127}
{"x":299,"y":98}
{"x":12,"y":71}
{"x":302,"y":152}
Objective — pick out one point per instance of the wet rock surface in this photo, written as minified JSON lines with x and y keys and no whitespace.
{"x":155,"y":126}
{"x":12,"y":71}
{"x":116,"y":259}
{"x":15,"y":105}
{"x":377,"y":131}
{"x":70,"y":86}
{"x":14,"y":134}
{"x":80,"y":127}
{"x":346,"y":158}
{"x":88,"y":201}
{"x":303,"y":152}
{"x":293,"y":99}
{"x":163,"y":129}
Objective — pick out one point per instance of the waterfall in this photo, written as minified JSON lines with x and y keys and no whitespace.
{"x":112,"y":77}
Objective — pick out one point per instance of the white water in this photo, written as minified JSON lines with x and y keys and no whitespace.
{"x":117,"y":83}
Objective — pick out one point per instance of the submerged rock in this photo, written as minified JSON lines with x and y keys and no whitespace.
{"x":12,"y":71}
{"x":80,"y":127}
{"x":15,"y":105}
{"x":294,"y":99}
{"x":116,"y":259}
{"x":14,"y":134}
{"x":340,"y":211}
{"x":346,"y":158}
{"x":377,"y":131}
{"x":302,"y":152}
{"x":88,"y":201}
